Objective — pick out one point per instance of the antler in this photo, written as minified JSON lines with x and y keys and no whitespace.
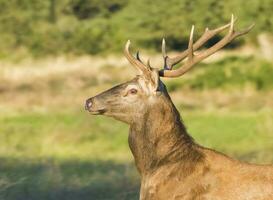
{"x":207,"y":35}
{"x":194,"y":59}
{"x":136,"y":62}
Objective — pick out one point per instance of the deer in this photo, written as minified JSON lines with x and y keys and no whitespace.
{"x":172,"y":166}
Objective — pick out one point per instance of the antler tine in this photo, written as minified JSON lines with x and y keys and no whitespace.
{"x":207,"y":35}
{"x":190,"y":47}
{"x":245,"y":31}
{"x":138,"y":56}
{"x":135,"y":62}
{"x":196,"y":59}
{"x":164,"y":54}
{"x":231,"y":28}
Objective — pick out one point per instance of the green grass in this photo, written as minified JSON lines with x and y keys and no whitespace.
{"x":72,"y":155}
{"x":237,"y":134}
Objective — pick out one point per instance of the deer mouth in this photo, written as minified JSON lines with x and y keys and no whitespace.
{"x":93,"y":109}
{"x":97,"y":112}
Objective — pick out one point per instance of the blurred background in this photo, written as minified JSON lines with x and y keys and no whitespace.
{"x":54,"y":54}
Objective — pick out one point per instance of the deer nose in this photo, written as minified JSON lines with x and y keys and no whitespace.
{"x":88,"y":104}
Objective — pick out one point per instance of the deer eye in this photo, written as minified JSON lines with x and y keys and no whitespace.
{"x":133,"y":91}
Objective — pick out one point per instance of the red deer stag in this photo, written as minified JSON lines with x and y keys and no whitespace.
{"x":172,"y":166}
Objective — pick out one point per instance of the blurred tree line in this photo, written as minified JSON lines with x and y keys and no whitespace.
{"x":42,"y":27}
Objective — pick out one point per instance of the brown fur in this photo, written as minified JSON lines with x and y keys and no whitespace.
{"x":171,"y":165}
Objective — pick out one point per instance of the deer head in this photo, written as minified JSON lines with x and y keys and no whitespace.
{"x":131,"y":100}
{"x":128,"y":101}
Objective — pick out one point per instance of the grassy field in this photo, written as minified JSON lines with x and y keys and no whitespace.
{"x":52,"y":149}
{"x":70,"y":155}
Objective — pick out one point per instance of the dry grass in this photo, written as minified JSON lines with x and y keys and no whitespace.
{"x":43,"y":84}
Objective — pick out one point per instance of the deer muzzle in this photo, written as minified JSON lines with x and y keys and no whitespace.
{"x":92,"y":108}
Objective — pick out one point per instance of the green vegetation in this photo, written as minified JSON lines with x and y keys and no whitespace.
{"x":229,"y":73}
{"x":41,"y":27}
{"x":64,"y":156}
{"x":71,"y":155}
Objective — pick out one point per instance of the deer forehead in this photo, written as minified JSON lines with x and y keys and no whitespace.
{"x":146,"y":86}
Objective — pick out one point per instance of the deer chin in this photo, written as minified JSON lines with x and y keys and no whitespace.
{"x":97,"y":112}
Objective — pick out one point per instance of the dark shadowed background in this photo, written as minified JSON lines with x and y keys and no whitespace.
{"x":54,"y":54}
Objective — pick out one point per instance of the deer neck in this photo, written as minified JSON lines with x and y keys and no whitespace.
{"x":159,"y":138}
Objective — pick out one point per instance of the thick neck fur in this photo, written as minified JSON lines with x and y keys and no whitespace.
{"x":159,"y":138}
